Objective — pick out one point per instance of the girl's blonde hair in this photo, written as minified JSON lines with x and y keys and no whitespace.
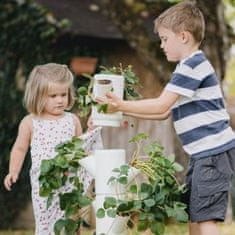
{"x":38,"y":84}
{"x":184,"y":16}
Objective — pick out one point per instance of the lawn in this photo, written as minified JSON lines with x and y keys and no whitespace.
{"x":175,"y":229}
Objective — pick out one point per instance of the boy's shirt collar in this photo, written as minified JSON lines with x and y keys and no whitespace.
{"x":193,"y":54}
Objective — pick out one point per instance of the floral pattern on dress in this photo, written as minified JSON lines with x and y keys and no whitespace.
{"x":46,"y":135}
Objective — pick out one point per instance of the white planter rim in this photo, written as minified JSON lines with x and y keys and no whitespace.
{"x":106,"y":123}
{"x":102,"y":76}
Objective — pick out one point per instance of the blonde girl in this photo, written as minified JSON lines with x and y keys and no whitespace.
{"x":49,"y":92}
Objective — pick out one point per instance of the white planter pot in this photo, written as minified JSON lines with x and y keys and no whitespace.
{"x":106,"y":161}
{"x":108,"y":225}
{"x":100,"y":164}
{"x":119,"y":226}
{"x":104,"y":83}
{"x":89,"y":164}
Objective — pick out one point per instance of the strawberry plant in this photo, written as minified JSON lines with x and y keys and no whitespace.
{"x":148,"y":204}
{"x":85,"y":99}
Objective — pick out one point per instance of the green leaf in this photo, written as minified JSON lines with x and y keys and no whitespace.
{"x":159,"y":213}
{"x":84,"y":201}
{"x":142,"y":225}
{"x":61,"y":161}
{"x":122,"y":180}
{"x":157,"y":228}
{"x":143,"y":195}
{"x":181,"y":215}
{"x":70,"y":227}
{"x":160,"y":197}
{"x":110,"y":202}
{"x":71,"y":210}
{"x":124,"y":169}
{"x":82,"y":91}
{"x":66,"y":199}
{"x":59,"y":225}
{"x":151,"y":217}
{"x":44,"y":191}
{"x":111,"y":179}
{"x":142,"y":216}
{"x":100,"y":213}
{"x":45,"y":167}
{"x":170,"y":180}
{"x":102,"y":108}
{"x":133,"y":188}
{"x":117,"y":170}
{"x":111,"y":213}
{"x":178,"y":167}
{"x":137,"y":204}
{"x":169,"y":211}
{"x":125,"y":206}
{"x":56,"y":182}
{"x":171,"y":157}
{"x":146,"y":188}
{"x":149,"y":202}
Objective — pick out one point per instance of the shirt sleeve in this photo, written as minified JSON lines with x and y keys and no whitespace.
{"x":184,"y":81}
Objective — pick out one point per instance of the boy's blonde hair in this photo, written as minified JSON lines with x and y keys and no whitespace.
{"x":184,"y":16}
{"x":38,"y":84}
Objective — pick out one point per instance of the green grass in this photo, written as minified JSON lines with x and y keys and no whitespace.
{"x":173,"y":229}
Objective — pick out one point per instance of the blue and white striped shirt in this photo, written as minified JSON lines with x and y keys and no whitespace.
{"x":200,"y":118}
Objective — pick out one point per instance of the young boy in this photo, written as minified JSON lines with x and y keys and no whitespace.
{"x":195,"y":99}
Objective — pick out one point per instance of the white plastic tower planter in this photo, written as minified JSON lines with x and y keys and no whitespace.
{"x":100,"y":165}
{"x":104,"y":83}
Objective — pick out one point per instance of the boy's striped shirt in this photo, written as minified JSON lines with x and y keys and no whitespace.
{"x":199,"y":116}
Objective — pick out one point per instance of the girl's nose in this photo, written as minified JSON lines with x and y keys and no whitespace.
{"x":59,"y":99}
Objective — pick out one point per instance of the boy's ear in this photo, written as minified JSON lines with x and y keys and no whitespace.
{"x":185,"y":36}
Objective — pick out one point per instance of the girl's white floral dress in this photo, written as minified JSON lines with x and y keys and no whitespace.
{"x":46,"y":135}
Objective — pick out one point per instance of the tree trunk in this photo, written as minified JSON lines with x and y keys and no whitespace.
{"x":217,"y":42}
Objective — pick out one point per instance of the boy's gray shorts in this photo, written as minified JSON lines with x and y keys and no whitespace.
{"x":208,"y":182}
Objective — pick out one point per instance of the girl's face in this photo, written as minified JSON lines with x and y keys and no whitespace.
{"x":171,"y":43}
{"x":57,"y":99}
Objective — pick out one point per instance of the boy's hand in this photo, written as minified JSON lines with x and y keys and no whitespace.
{"x":9,"y":180}
{"x":112,"y":100}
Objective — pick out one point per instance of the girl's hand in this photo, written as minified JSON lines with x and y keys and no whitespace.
{"x":90,"y":124}
{"x":112,"y":100}
{"x":9,"y":180}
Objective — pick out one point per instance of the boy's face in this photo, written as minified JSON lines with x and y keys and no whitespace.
{"x":172,"y":44}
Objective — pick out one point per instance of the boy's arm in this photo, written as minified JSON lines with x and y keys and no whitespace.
{"x":78,"y":126}
{"x":158,"y":105}
{"x":18,"y":152}
{"x":150,"y":116}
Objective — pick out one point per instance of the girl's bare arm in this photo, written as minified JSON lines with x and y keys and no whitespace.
{"x":78,"y":126}
{"x":19,"y":151}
